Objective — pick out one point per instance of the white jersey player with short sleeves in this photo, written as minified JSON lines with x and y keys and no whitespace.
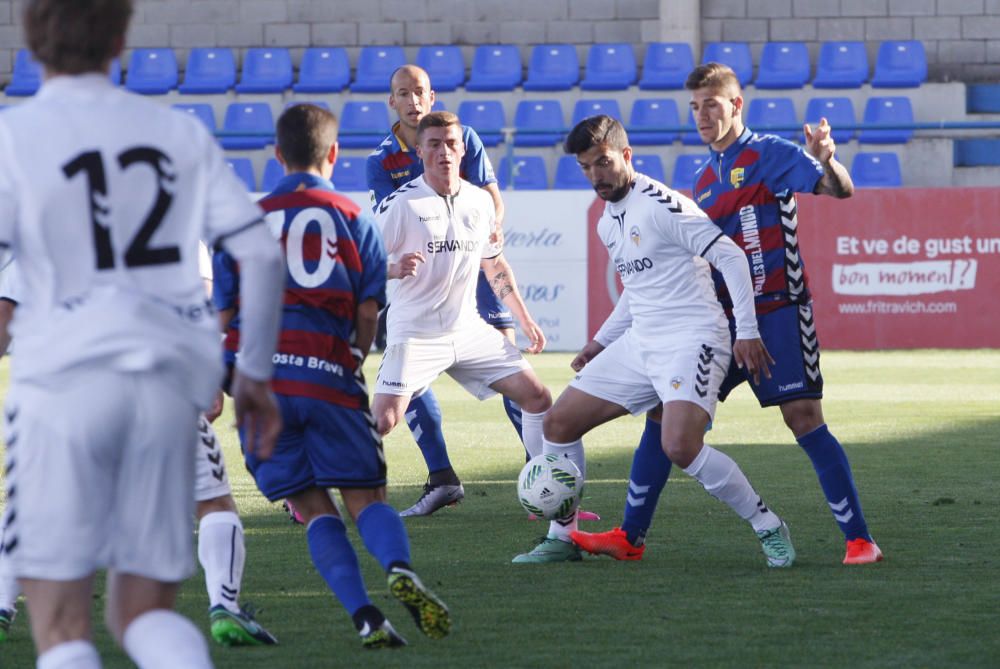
{"x":452,"y":233}
{"x":433,"y":325}
{"x":668,"y":326}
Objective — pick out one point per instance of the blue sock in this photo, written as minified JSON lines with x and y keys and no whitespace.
{"x":423,"y":416}
{"x":336,"y":561}
{"x":834,"y":472}
{"x":514,"y":414}
{"x":384,"y":534}
{"x":650,"y":470}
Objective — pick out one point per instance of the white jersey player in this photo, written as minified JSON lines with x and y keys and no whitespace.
{"x":103,"y":198}
{"x":437,"y":231}
{"x":676,"y":350}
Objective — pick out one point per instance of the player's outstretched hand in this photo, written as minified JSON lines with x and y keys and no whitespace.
{"x":586,"y":354}
{"x":217,"y":404}
{"x":819,"y":142}
{"x":536,"y":337}
{"x":407,"y":265}
{"x":257,"y":415}
{"x":752,"y":355}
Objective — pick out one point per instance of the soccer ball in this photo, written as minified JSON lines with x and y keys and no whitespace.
{"x":550,"y":486}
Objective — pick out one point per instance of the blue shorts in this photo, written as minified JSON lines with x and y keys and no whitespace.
{"x":789,"y":334}
{"x":490,"y":307}
{"x":322,"y":445}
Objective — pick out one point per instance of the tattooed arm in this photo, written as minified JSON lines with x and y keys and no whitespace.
{"x":501,"y":278}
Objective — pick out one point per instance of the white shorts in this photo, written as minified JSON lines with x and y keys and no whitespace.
{"x":210,"y":478}
{"x":97,"y":476}
{"x":475,"y":357}
{"x":689,"y":370}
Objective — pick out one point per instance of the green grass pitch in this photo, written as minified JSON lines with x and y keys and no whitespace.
{"x":922,"y":429}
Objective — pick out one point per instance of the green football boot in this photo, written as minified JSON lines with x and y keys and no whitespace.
{"x":231,"y":628}
{"x":429,"y":612}
{"x":777,"y":546}
{"x":550,"y":550}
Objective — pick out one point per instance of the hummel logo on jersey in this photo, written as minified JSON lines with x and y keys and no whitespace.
{"x":428,"y":219}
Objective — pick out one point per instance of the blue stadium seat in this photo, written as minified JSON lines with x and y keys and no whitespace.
{"x":318,"y":103}
{"x":438,"y":105}
{"x":900,"y":65}
{"x":363,"y":124}
{"x":495,"y":67}
{"x":553,"y":67}
{"x":593,"y":107}
{"x":203,"y":112}
{"x":650,"y":165}
{"x":538,"y":115}
{"x":486,"y":117}
{"x":444,"y":65}
{"x":244,"y":170}
{"x":666,"y":66}
{"x":838,"y":111}
{"x":27,"y":75}
{"x":273,"y":173}
{"x":684,"y":169}
{"x":691,"y":138}
{"x":653,"y":113}
{"x":734,"y":54}
{"x":253,"y":124}
{"x":266,"y":70}
{"x":116,"y":72}
{"x":765,"y":113}
{"x":323,"y":70}
{"x":610,"y":67}
{"x":349,"y":174}
{"x":375,"y":67}
{"x":152,"y":71}
{"x":876,"y":170}
{"x":569,"y":176}
{"x":524,"y":173}
{"x":209,"y":71}
{"x":896,"y":109}
{"x":841,"y":65}
{"x":783,"y":65}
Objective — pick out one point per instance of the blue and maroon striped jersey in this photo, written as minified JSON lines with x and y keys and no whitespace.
{"x":749,"y":190}
{"x":334,"y":261}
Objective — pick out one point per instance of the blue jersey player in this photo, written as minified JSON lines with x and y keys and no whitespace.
{"x":393,"y":164}
{"x":335,"y":285}
{"x":748,"y":188}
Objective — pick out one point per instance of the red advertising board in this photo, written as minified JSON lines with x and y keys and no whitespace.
{"x":888,"y":269}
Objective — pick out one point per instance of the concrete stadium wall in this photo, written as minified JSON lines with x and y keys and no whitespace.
{"x":962,"y":37}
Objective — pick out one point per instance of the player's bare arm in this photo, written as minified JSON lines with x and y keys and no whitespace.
{"x":836,"y":180}
{"x":407,"y":265}
{"x":256,"y":414}
{"x":496,"y":237}
{"x":6,"y":314}
{"x":365,"y":326}
{"x":501,"y":277}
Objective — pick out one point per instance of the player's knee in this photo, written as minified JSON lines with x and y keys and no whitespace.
{"x":802,"y":417}
{"x":558,"y":426}
{"x":681,"y":448}
{"x":539,"y":401}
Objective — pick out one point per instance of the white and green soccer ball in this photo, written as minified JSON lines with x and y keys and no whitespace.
{"x":550,"y":486}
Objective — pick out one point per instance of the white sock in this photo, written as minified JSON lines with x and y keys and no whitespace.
{"x":78,"y":654}
{"x":9,"y":588}
{"x":162,"y":639}
{"x":560,"y":529}
{"x":531,"y":432}
{"x":222,"y":555}
{"x":725,"y":481}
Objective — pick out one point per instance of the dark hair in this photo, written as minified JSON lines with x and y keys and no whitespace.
{"x":596,"y":131}
{"x":713,"y":75}
{"x":305,"y":135}
{"x":76,"y":36}
{"x":438,"y":119}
